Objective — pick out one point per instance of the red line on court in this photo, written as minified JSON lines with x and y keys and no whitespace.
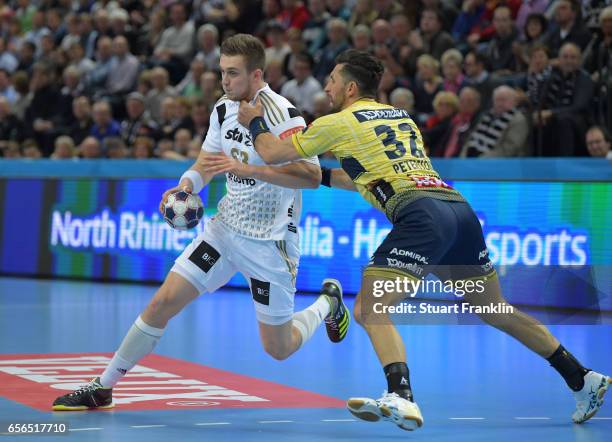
{"x":157,"y":383}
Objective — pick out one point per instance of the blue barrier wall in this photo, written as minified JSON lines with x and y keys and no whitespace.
{"x":545,"y":221}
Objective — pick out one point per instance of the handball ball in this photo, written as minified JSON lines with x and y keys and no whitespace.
{"x":183,"y":210}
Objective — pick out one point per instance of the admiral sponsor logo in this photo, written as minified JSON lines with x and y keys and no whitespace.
{"x":392,"y":262}
{"x":380,"y":114}
{"x":409,"y":254}
{"x":483,"y":254}
{"x":156,"y":383}
{"x":236,"y":179}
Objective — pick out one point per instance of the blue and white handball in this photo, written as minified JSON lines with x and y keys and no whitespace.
{"x":183,"y":210}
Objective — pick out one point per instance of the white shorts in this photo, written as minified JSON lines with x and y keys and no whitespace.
{"x":269,"y":266}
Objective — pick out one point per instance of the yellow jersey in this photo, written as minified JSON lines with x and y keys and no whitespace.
{"x":381,"y":149}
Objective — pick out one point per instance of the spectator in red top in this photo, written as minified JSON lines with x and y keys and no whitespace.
{"x":475,"y":22}
{"x":293,"y":15}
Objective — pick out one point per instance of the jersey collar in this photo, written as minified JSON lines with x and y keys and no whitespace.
{"x":265,"y":88}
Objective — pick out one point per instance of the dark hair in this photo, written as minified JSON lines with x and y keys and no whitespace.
{"x":305,"y":57}
{"x":534,"y":16}
{"x":479,"y":57}
{"x":575,"y":6}
{"x":362,"y":68}
{"x":603,"y":131}
{"x":539,"y":47}
{"x":436,"y":12}
{"x":248,"y":47}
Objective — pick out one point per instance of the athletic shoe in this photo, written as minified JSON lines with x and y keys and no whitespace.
{"x":390,"y":407}
{"x":339,"y":318}
{"x":90,"y":396}
{"x":590,"y":398}
{"x":364,"y":408}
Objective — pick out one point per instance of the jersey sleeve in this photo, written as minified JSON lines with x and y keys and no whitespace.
{"x":292,"y":124}
{"x":212,"y":142}
{"x":319,"y":137}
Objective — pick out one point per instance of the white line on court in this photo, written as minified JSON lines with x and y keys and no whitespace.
{"x":212,"y":423}
{"x":531,"y":418}
{"x":148,"y":426}
{"x":274,"y":422}
{"x":338,"y":420}
{"x":602,"y":418}
{"x":85,"y":429}
{"x":466,"y":418}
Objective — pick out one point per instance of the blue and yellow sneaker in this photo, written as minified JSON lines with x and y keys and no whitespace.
{"x":339,"y":318}
{"x":590,"y":399}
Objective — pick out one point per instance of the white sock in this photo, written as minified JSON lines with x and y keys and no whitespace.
{"x":307,"y":320}
{"x":139,"y":342}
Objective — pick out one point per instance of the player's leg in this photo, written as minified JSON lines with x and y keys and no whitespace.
{"x":588,"y":386}
{"x":200,"y":268}
{"x":382,"y":332}
{"x":470,"y":250}
{"x":397,"y":404}
{"x":271,"y":269}
{"x":526,"y":329}
{"x":279,"y":341}
{"x":281,"y":336}
{"x":140,"y":340}
{"x":420,"y":236}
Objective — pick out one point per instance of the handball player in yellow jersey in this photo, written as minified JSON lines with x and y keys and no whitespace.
{"x":381,"y":154}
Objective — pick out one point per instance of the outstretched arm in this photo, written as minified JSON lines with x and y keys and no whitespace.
{"x":270,"y":148}
{"x":297,"y":175}
{"x":339,"y":179}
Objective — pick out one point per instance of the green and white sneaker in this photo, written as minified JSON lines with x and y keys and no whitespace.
{"x":339,"y":318}
{"x":88,"y":397}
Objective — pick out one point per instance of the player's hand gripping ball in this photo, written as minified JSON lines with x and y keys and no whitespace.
{"x":183,"y":210}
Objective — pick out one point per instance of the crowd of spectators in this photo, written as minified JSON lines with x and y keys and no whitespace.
{"x":139,"y":78}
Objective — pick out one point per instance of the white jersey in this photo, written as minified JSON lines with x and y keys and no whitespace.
{"x":254,"y":208}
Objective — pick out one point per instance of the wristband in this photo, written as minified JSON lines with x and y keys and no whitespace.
{"x":326,"y":176}
{"x":258,"y":126}
{"x":195,"y":178}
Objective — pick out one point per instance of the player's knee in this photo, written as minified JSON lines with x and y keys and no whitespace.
{"x":162,"y":303}
{"x":277,"y":351}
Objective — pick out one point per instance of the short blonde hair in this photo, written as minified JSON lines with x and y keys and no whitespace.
{"x":428,"y":60}
{"x":452,"y":55}
{"x":605,"y":14}
{"x":66,"y":140}
{"x":445,"y":97}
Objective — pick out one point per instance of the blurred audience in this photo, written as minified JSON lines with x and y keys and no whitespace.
{"x":147,"y":73}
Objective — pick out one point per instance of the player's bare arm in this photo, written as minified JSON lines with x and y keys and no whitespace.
{"x":297,"y":175}
{"x":341,"y":180}
{"x":270,"y":148}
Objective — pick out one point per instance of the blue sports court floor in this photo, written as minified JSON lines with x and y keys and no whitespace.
{"x":472,"y":382}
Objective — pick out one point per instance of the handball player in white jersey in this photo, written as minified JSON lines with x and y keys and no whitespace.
{"x":254,"y":233}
